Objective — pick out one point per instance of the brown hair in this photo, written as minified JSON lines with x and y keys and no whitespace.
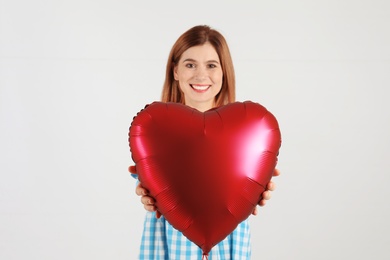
{"x":195,"y":36}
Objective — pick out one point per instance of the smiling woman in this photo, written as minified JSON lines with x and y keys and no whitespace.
{"x":199,"y":74}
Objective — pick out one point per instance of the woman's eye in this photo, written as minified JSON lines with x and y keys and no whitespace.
{"x":190,"y":65}
{"x":211,"y":66}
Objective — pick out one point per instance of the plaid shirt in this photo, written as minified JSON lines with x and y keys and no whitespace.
{"x":160,"y":241}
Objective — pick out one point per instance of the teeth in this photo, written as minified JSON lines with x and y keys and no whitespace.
{"x":200,"y":87}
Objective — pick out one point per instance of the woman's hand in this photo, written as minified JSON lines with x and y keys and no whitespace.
{"x":144,"y":193}
{"x":267,"y":193}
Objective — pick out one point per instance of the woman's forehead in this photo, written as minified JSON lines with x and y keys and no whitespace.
{"x":200,"y":53}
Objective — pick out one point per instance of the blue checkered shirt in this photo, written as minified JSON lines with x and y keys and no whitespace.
{"x":161,"y":241}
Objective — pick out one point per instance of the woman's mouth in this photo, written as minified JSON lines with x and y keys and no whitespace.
{"x":200,"y":88}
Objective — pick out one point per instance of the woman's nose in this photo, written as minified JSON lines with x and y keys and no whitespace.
{"x":201,"y":73}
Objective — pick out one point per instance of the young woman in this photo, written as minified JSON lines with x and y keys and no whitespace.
{"x":199,"y":74}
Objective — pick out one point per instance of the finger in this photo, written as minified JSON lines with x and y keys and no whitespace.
{"x":132,"y":169}
{"x":271,"y":186}
{"x":150,"y":208}
{"x":276,"y":173}
{"x":266,"y":195}
{"x":139,"y":190}
{"x":146,"y":200}
{"x":254,"y":212}
{"x":262,"y":203}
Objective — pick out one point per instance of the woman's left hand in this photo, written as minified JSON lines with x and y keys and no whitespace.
{"x":267,"y":193}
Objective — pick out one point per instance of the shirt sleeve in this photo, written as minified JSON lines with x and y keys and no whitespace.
{"x":135,"y":176}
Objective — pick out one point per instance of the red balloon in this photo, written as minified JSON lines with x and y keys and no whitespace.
{"x":206,"y":170}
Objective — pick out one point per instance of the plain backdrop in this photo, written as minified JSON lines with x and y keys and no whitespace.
{"x":74,"y":73}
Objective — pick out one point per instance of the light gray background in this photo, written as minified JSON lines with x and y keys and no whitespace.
{"x":74,"y":73}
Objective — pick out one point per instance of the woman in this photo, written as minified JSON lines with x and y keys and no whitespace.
{"x":199,"y":74}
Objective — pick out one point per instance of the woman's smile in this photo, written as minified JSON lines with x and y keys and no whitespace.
{"x":200,"y":88}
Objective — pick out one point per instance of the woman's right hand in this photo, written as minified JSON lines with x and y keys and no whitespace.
{"x":147,"y":200}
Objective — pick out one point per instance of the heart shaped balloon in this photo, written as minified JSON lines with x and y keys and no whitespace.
{"x":206,"y":170}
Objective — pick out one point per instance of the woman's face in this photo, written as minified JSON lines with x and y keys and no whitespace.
{"x":200,"y":76}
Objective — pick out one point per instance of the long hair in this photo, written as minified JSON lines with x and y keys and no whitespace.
{"x":196,"y":36}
